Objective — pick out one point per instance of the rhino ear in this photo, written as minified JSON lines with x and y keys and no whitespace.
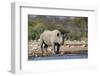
{"x":57,"y":34}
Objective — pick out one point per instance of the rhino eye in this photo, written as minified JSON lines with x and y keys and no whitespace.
{"x":57,"y":34}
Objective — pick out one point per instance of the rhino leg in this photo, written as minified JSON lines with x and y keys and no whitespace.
{"x":41,"y":44}
{"x":54,"y":48}
{"x":46,"y":46}
{"x":58,"y":47}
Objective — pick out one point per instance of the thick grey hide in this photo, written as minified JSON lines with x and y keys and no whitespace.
{"x":51,"y":38}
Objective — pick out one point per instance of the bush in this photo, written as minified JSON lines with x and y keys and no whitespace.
{"x":74,"y":29}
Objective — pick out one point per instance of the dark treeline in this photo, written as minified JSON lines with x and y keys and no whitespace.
{"x":74,"y":28}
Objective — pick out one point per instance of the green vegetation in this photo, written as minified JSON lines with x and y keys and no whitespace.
{"x":74,"y":28}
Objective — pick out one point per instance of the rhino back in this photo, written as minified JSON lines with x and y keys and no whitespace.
{"x":46,"y":37}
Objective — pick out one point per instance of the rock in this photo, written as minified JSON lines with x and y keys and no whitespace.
{"x":34,"y":48}
{"x":49,"y":49}
{"x":83,"y":45}
{"x":83,"y":42}
{"x":61,"y":53}
{"x":38,"y":40}
{"x":67,"y":46}
{"x":72,"y":46}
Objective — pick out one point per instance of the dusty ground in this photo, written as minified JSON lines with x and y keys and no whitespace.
{"x":68,"y":48}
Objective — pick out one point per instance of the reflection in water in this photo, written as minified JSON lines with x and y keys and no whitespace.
{"x":83,"y":55}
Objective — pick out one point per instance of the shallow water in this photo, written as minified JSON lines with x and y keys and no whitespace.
{"x":57,"y":57}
